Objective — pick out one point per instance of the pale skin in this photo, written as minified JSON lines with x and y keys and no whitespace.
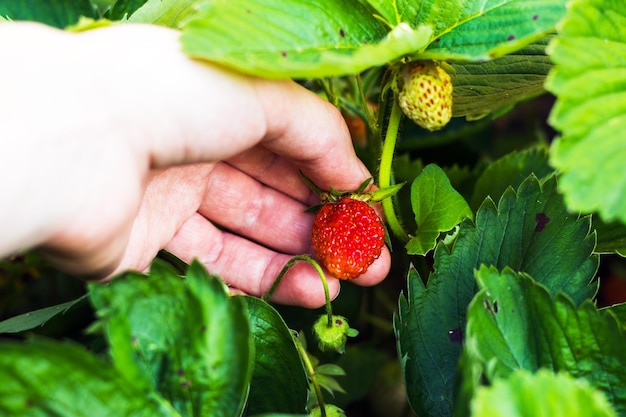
{"x":114,"y":145}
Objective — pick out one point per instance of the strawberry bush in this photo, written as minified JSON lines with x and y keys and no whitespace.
{"x":505,"y":295}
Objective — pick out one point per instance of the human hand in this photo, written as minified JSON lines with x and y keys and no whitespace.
{"x":118,"y":145}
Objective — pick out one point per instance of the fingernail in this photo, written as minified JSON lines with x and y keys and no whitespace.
{"x":336,"y":295}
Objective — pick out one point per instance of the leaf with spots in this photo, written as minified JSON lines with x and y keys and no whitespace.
{"x":529,"y":231}
{"x":589,"y":80}
{"x":484,"y":88}
{"x":182,"y":336}
{"x":298,"y":39}
{"x":515,"y":323}
{"x":305,"y":39}
{"x":499,"y":28}
{"x":475,"y":30}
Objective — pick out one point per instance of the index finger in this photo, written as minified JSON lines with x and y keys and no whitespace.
{"x":185,"y":111}
{"x":312,"y":133}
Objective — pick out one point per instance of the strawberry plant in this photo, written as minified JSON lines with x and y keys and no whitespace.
{"x":503,"y":118}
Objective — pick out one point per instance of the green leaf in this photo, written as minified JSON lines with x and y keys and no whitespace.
{"x":47,"y":378}
{"x":279,"y":382}
{"x":463,"y":178}
{"x":515,"y":323}
{"x":57,"y":13}
{"x":589,"y":80}
{"x":611,"y":237}
{"x":541,"y":394}
{"x":186,"y":338}
{"x":428,"y":362}
{"x":330,"y":369}
{"x":482,"y":88}
{"x":327,"y":38}
{"x":532,"y":231}
{"x":437,"y":206}
{"x":510,"y":171}
{"x":529,"y":231}
{"x":124,"y":8}
{"x":330,"y":384}
{"x":475,"y":30}
{"x":445,"y":16}
{"x":169,"y":13}
{"x":498,"y":28}
{"x":36,"y":318}
{"x":359,"y":380}
{"x":297,"y":39}
{"x":389,"y":11}
{"x":618,"y":311}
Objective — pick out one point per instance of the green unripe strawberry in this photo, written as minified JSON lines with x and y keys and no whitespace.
{"x":333,"y":337}
{"x":331,"y":411}
{"x":424,"y":91}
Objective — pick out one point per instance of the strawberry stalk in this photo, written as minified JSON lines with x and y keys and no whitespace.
{"x":371,"y":120}
{"x":311,"y":372}
{"x":385,"y":172}
{"x":301,"y":350}
{"x":318,"y":268}
{"x":329,"y":89}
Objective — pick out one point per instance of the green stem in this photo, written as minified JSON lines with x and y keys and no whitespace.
{"x":382,"y":106}
{"x":320,"y":272}
{"x":385,"y":172}
{"x":311,"y":371}
{"x":329,"y":89}
{"x":371,"y":121}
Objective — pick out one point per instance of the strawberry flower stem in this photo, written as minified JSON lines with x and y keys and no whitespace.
{"x":320,"y":272}
{"x":311,"y":371}
{"x":384,"y":171}
{"x":329,"y":89}
{"x":371,"y":120}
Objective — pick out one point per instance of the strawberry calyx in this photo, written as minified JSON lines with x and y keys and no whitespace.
{"x":334,"y":195}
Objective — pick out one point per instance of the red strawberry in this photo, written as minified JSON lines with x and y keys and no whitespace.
{"x":348,"y":236}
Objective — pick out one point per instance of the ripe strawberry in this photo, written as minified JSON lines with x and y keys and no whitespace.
{"x":424,"y":93}
{"x":347,"y":237}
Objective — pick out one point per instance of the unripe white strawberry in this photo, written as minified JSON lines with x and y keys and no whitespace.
{"x":424,"y":91}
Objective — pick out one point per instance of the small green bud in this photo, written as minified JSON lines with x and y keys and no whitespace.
{"x":333,"y":337}
{"x":331,"y":411}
